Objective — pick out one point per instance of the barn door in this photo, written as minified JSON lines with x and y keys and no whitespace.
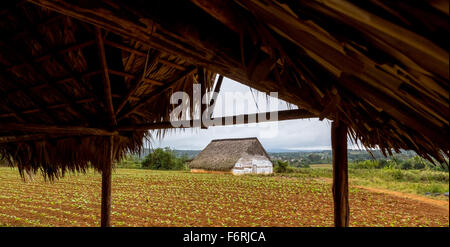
{"x":254,"y":167}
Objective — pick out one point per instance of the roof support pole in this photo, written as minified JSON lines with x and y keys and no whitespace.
{"x":202,"y":80}
{"x":340,"y":173}
{"x":106,"y":184}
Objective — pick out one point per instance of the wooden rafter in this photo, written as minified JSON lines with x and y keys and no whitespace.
{"x":31,"y":137}
{"x":133,"y":76}
{"x":158,"y":91}
{"x":137,"y":82}
{"x":125,"y":48}
{"x":142,"y":54}
{"x":106,"y":80}
{"x":21,"y":138}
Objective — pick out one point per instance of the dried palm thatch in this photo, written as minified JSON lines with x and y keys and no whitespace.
{"x":57,"y":71}
{"x":74,"y":72}
{"x":222,"y":154}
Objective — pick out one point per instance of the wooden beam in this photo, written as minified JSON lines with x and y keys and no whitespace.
{"x":340,"y":173}
{"x":125,"y":48}
{"x":106,"y":80}
{"x":30,"y":137}
{"x":21,"y":138}
{"x":122,"y":73}
{"x":55,"y":129}
{"x":171,"y":64}
{"x":106,"y":184}
{"x":201,"y":72}
{"x":224,"y":121}
{"x":158,"y":91}
{"x":133,"y":76}
{"x":142,"y":54}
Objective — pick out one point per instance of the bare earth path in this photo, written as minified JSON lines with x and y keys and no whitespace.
{"x":444,"y":205}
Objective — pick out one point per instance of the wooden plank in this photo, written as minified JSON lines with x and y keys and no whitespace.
{"x":340,"y":174}
{"x":106,"y":184}
{"x":106,"y":80}
{"x":224,"y":121}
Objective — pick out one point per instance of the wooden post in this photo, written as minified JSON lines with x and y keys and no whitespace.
{"x":106,"y":185}
{"x":202,"y":80}
{"x":340,"y":173}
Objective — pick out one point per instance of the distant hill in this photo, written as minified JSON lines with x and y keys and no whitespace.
{"x":285,"y":154}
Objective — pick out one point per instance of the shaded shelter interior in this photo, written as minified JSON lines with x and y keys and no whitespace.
{"x":84,"y":69}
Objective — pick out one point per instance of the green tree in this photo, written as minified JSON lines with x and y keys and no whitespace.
{"x":283,"y":167}
{"x":163,"y":159}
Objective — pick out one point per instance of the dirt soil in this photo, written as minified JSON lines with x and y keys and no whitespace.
{"x":434,"y":202}
{"x":152,"y":198}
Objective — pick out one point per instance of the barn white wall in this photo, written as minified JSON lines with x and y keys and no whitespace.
{"x":253,"y":164}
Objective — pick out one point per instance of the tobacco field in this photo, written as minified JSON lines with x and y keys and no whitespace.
{"x":179,"y":198}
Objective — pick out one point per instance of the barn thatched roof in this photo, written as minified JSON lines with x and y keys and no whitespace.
{"x":222,"y":154}
{"x":74,"y":73}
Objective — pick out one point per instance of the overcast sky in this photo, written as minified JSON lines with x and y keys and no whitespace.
{"x":235,"y":98}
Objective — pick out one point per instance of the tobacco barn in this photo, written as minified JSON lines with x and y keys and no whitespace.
{"x":82,"y":82}
{"x":237,"y":156}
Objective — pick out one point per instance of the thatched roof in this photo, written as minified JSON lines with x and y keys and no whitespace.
{"x":74,"y":73}
{"x":222,"y":154}
{"x":54,"y":72}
